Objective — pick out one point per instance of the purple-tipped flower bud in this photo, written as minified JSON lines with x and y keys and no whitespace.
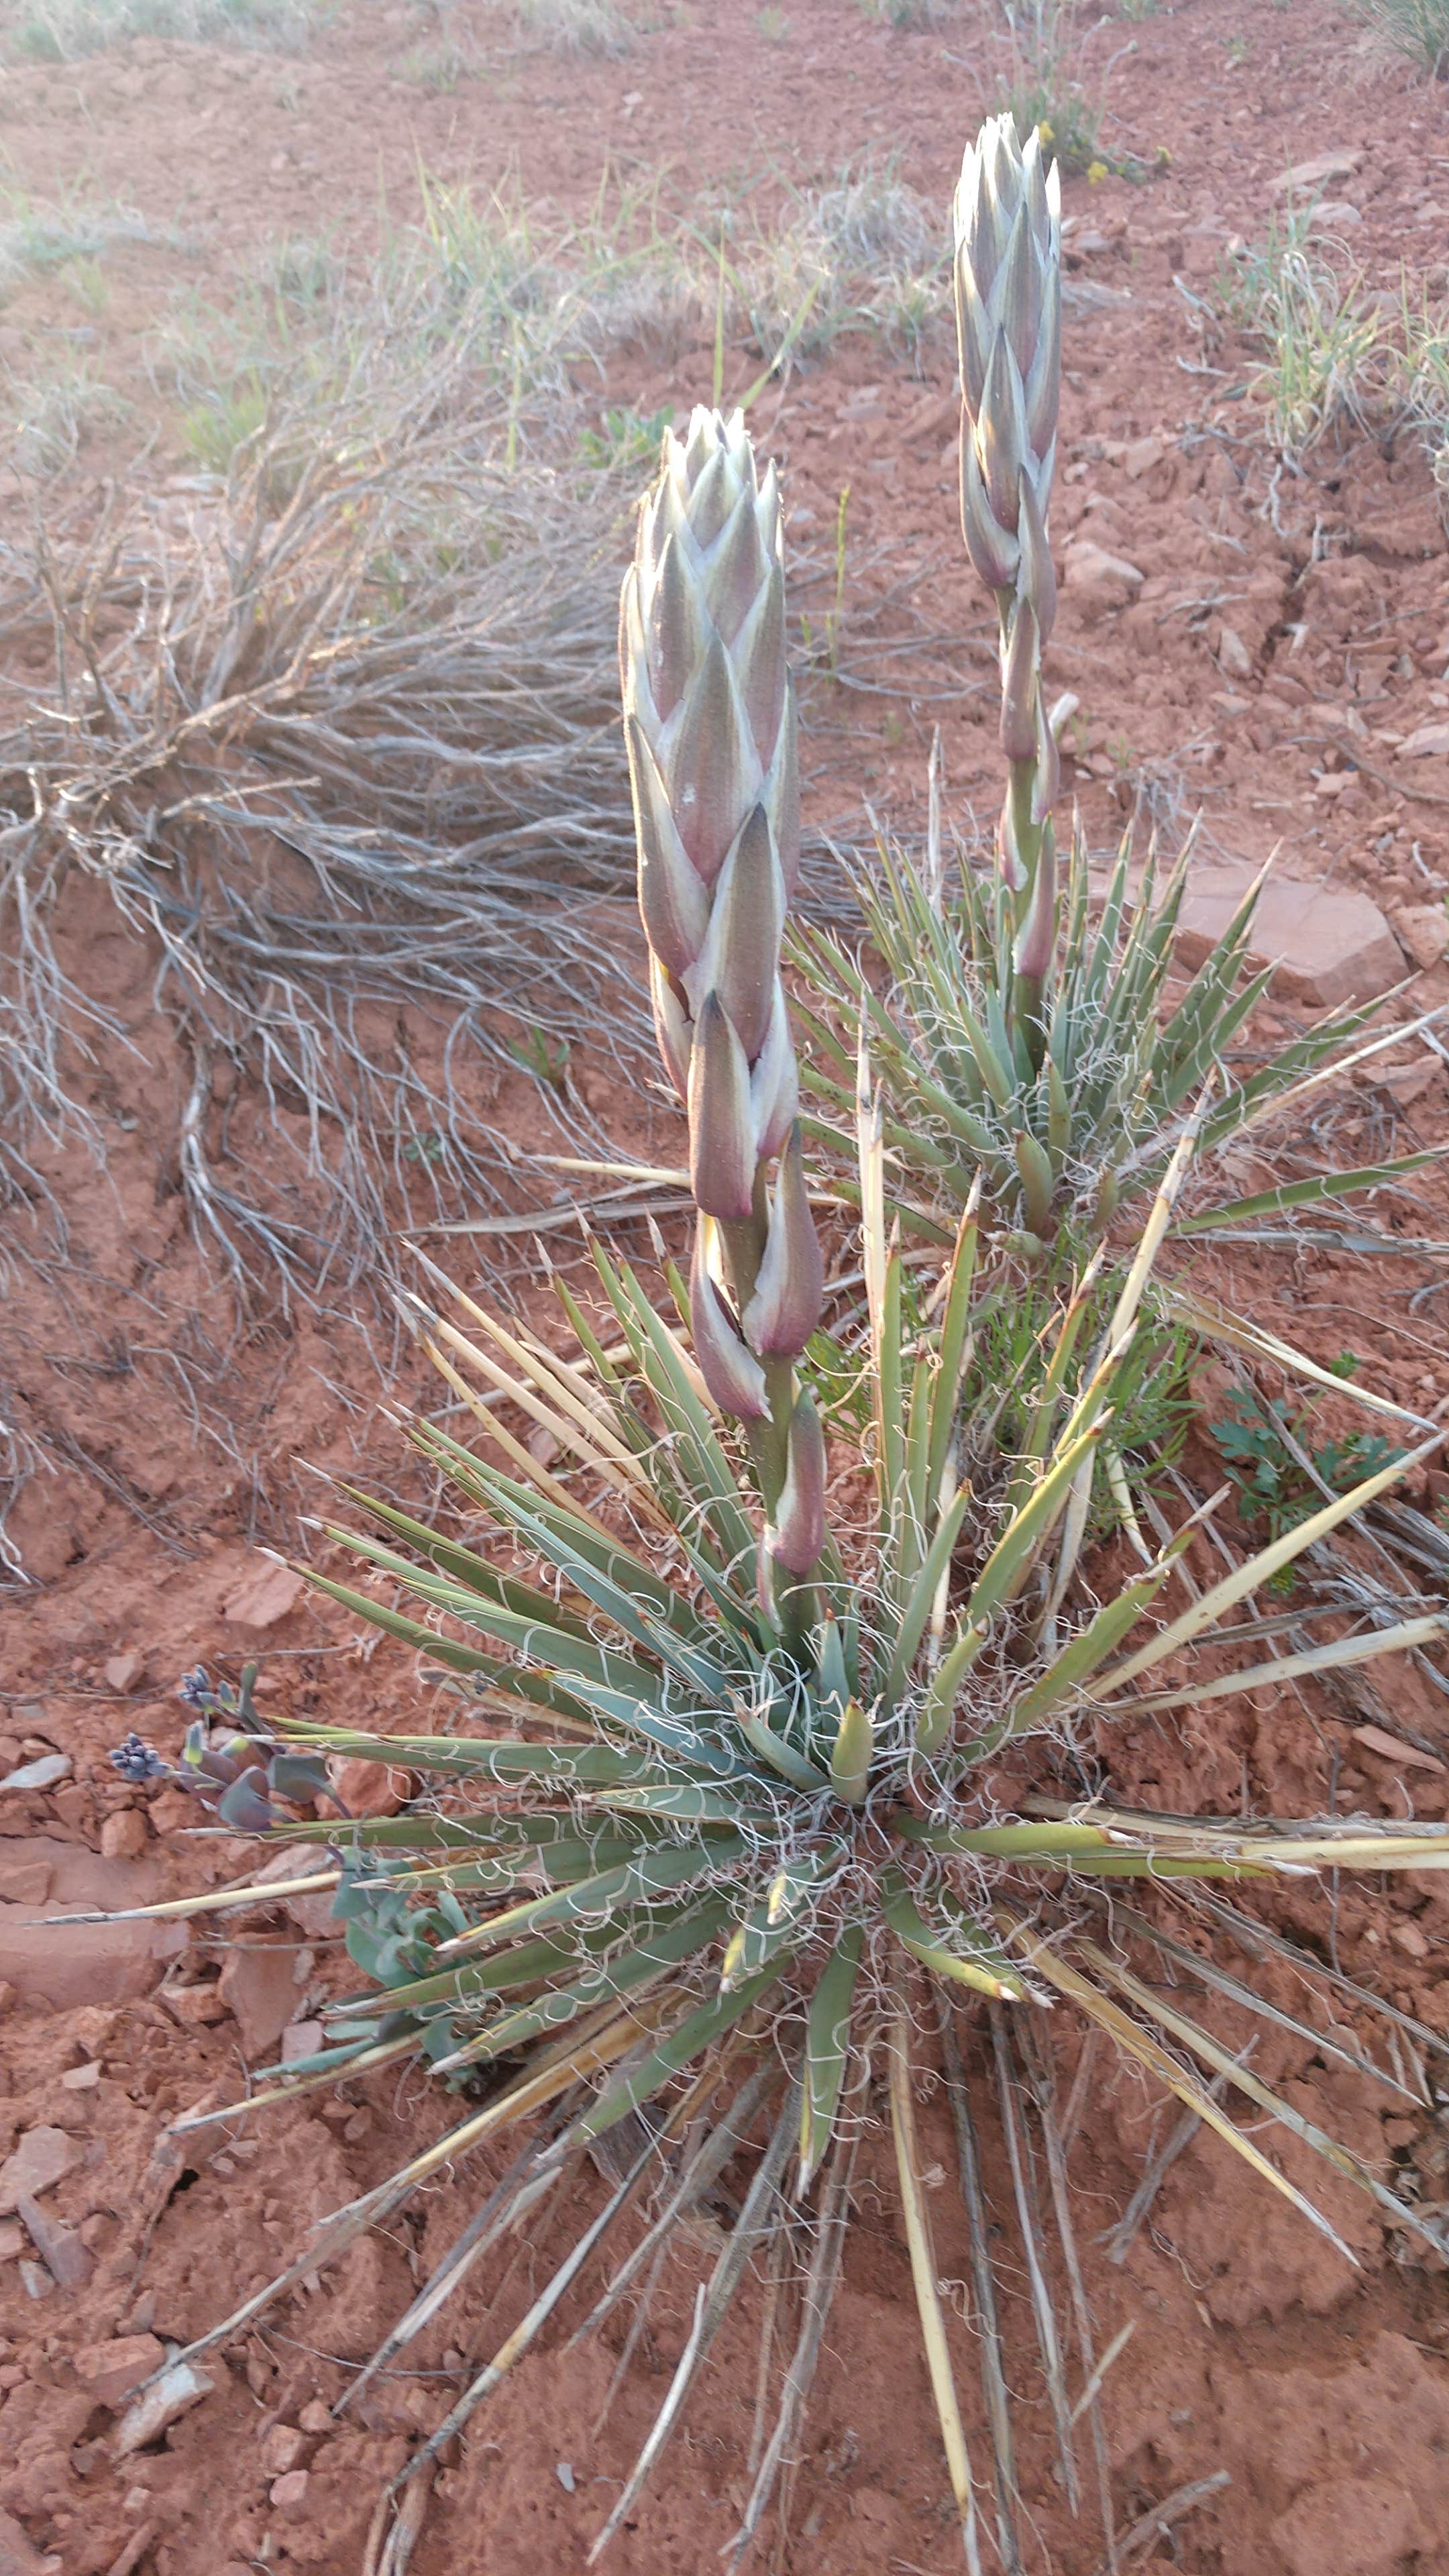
{"x":1037,"y":936}
{"x":671,"y":1026}
{"x":799,"y":1532}
{"x":775,"y":1082}
{"x":1020,"y":683}
{"x":785,"y":1308}
{"x":722,"y":1153}
{"x":740,"y":956}
{"x":729,"y":1369}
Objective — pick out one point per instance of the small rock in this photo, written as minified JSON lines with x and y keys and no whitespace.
{"x":12,"y":2239}
{"x":369,"y":1788}
{"x":24,"y":1881}
{"x":59,"y":2248}
{"x":282,"y":2449}
{"x":302,"y":2039}
{"x":79,"y":2079}
{"x":289,"y":2494}
{"x":1394,"y":1748}
{"x":177,"y":2389}
{"x":1089,"y":567}
{"x":1140,"y":455}
{"x":19,"y":2556}
{"x":1408,"y":1938}
{"x":125,"y":1835}
{"x":9,"y":1995}
{"x":1233,"y":655}
{"x":111,"y":2370}
{"x":123,"y":1671}
{"x":1427,"y":742}
{"x":195,"y":2007}
{"x":1327,"y":944}
{"x":172,"y":1812}
{"x":43,"y":1774}
{"x":39,"y":2161}
{"x":1424,"y":930}
{"x":316,"y":2416}
{"x":1307,"y":175}
{"x":1406,"y":1083}
{"x":35,"y":2280}
{"x":265,"y":1596}
{"x":260,"y":1986}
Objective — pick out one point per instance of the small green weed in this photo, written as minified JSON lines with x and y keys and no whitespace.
{"x":547,"y":1059}
{"x":1268,"y":1449}
{"x":624,"y":437}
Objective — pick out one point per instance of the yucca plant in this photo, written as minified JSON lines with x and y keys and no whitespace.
{"x":1024,"y":1036}
{"x":739,"y":1825}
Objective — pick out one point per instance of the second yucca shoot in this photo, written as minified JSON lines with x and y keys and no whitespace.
{"x":1025,"y":1035}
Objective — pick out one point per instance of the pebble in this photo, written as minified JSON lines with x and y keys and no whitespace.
{"x":180,"y":2387}
{"x":289,"y":2493}
{"x":60,"y":2248}
{"x":282,"y":2450}
{"x":43,"y":1774}
{"x":266,"y":1594}
{"x":1233,"y":655}
{"x":112,"y":2370}
{"x":1424,"y":930}
{"x":263,"y":1987}
{"x":1336,"y":164}
{"x":18,"y":2555}
{"x":124,"y":1836}
{"x":40,"y":2159}
{"x":369,"y":1788}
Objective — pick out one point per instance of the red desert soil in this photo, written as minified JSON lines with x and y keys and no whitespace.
{"x":1280,"y":639}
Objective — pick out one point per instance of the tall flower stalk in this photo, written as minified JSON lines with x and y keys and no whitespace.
{"x":709,"y":717}
{"x":1008,"y":323}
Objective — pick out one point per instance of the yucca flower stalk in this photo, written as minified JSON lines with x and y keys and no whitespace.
{"x":1008,"y":249}
{"x":709,"y":716}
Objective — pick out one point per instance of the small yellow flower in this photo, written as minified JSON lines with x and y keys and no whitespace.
{"x":1097,"y":170}
{"x":1045,"y":133}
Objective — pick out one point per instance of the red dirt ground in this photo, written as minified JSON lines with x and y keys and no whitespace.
{"x":173,"y":1436}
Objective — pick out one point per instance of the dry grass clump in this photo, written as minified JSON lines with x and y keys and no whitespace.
{"x":576,"y":26}
{"x":332,"y":732}
{"x":39,"y":240}
{"x":864,"y":253}
{"x":1338,"y":357}
{"x":1417,"y":28}
{"x":59,"y":31}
